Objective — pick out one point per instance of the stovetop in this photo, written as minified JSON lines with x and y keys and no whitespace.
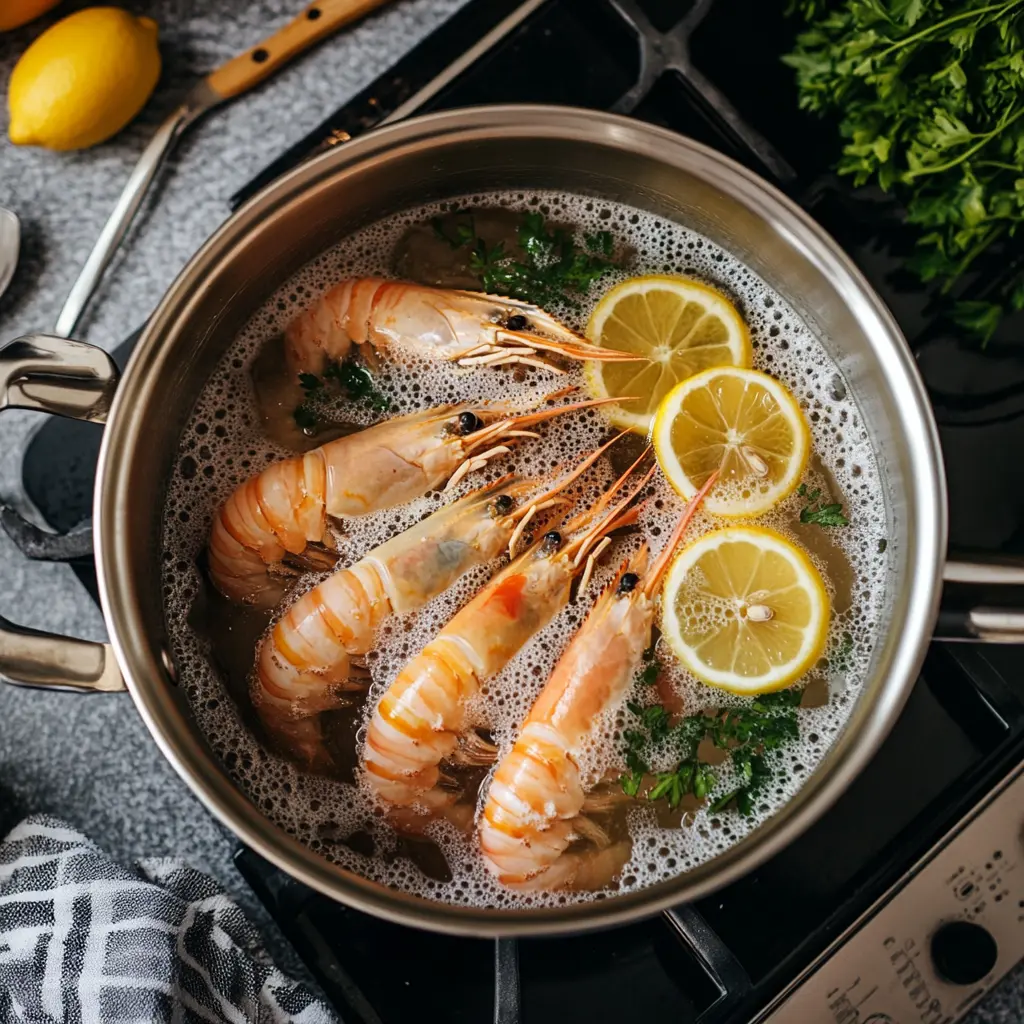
{"x":729,"y":956}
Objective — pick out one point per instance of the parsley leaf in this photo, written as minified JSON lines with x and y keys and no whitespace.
{"x":749,"y":733}
{"x":553,"y":269}
{"x":931,"y":106}
{"x":840,"y":661}
{"x":353,"y":379}
{"x":462,"y":232}
{"x":305,"y":418}
{"x":356,"y":382}
{"x":817,"y":514}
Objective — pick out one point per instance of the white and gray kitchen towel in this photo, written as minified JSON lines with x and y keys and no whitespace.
{"x":84,"y":940}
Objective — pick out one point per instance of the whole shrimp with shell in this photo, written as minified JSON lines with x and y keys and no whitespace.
{"x":422,"y":718}
{"x":280,"y":512}
{"x":472,"y":329}
{"x":304,"y":662}
{"x":534,"y":832}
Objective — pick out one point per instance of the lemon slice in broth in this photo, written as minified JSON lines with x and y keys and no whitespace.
{"x":745,"y":610}
{"x":680,"y":325}
{"x":740,"y":422}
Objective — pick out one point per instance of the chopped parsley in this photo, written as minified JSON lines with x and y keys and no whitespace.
{"x":841,"y":660}
{"x":356,"y":382}
{"x":748,"y":733}
{"x":352,"y":379}
{"x":553,"y":268}
{"x":816,"y":514}
{"x":461,"y":234}
{"x":306,"y":418}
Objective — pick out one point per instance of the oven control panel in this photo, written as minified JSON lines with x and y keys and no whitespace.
{"x":943,"y":938}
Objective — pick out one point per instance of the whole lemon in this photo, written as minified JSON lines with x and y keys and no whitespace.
{"x":14,"y":13}
{"x":83,"y":79}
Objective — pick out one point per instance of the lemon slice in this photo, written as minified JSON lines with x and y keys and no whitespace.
{"x":743,"y":423}
{"x":681,"y":326}
{"x":745,"y":610}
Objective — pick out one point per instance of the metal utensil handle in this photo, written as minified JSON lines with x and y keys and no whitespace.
{"x":506,"y":981}
{"x":29,"y":657}
{"x":229,"y":80}
{"x":975,"y":619}
{"x":717,"y":960}
{"x":121,"y":218}
{"x":69,"y":378}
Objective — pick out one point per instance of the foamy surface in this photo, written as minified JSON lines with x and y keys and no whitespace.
{"x":224,"y":443}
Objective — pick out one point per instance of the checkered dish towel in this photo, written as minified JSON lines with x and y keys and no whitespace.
{"x":84,"y":940}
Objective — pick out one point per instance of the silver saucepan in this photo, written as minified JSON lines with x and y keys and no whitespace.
{"x":304,"y":213}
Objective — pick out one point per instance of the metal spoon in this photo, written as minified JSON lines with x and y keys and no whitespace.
{"x":10,"y":245}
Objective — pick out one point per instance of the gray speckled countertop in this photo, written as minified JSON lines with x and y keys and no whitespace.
{"x":89,"y":759}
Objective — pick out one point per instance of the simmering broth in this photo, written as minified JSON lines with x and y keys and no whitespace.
{"x":243,"y":420}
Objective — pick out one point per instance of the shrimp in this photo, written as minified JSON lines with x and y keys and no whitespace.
{"x":303,"y":665}
{"x":422,"y":717}
{"x":469,"y":328}
{"x":534,"y":806}
{"x":285,"y":508}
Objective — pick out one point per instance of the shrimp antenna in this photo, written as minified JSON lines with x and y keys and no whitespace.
{"x":510,"y":425}
{"x":616,"y":517}
{"x":584,"y":465}
{"x":550,"y":497}
{"x":661,"y":562}
{"x":605,"y":498}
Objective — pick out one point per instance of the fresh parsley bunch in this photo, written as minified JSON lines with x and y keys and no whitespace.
{"x":931,"y":98}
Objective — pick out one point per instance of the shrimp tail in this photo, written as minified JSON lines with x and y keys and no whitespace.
{"x":294,"y":729}
{"x":274,"y":513}
{"x":474,"y":750}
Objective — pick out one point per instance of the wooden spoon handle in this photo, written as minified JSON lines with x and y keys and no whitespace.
{"x":318,"y":20}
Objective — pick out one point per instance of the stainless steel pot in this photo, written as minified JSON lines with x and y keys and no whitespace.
{"x":304,"y":213}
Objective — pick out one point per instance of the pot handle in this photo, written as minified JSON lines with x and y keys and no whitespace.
{"x":981,"y":602}
{"x":67,"y":378}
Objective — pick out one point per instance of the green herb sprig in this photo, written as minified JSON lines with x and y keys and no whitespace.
{"x":816,"y":514}
{"x":931,"y":99}
{"x":747,"y":732}
{"x":554,"y":269}
{"x":354,"y":381}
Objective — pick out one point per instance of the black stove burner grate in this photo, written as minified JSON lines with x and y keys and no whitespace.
{"x":663,"y":61}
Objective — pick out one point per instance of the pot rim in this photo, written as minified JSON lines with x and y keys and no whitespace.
{"x":147,"y":677}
